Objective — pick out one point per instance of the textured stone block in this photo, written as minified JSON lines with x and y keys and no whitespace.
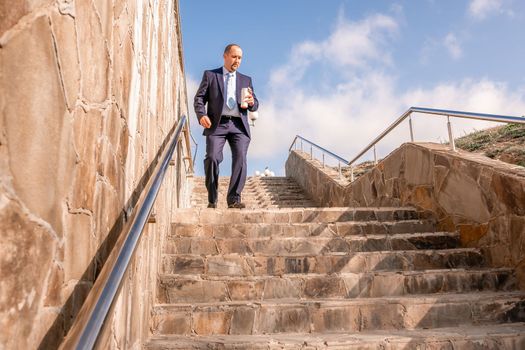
{"x":387,"y":285}
{"x":191,"y":291}
{"x":245,"y":290}
{"x":172,"y":323}
{"x":87,"y":127}
{"x":437,"y":315}
{"x":229,"y":266}
{"x":336,"y":319}
{"x":381,"y":315}
{"x":36,"y":123}
{"x":282,"y":288}
{"x":324,"y":287}
{"x":282,"y":318}
{"x":93,"y":53}
{"x":237,"y":246}
{"x":27,"y":252}
{"x":471,"y":203}
{"x":210,"y":320}
{"x":243,"y":320}
{"x":78,"y":247}
{"x":183,"y":265}
{"x":67,"y":53}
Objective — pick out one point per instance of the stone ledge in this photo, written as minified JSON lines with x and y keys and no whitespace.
{"x":330,"y":263}
{"x":293,"y":215}
{"x":329,"y":315}
{"x":462,"y":337}
{"x":313,"y":244}
{"x":200,"y":289}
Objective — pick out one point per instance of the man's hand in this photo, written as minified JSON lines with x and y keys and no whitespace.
{"x":205,"y":121}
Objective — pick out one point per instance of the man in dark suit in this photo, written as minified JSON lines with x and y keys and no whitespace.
{"x":225,"y":119}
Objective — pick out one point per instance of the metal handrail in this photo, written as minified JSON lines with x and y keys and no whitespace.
{"x":322,"y":149}
{"x":408,"y":114}
{"x":444,"y":112}
{"x":97,"y":313}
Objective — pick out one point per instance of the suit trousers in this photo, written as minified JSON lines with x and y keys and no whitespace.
{"x":230,"y":129}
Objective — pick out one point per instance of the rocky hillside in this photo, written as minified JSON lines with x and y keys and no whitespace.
{"x":505,"y":143}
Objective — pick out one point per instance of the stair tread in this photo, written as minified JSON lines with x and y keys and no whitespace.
{"x":394,"y":252}
{"x":349,"y":222}
{"x":434,"y":299}
{"x":323,"y":238}
{"x":259,"y":192}
{"x":204,"y":277}
{"x":461,"y":334}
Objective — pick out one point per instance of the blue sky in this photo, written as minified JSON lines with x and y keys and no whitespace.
{"x":338,"y":72}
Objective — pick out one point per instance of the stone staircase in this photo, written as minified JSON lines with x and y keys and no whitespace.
{"x":327,"y":278}
{"x":259,"y":192}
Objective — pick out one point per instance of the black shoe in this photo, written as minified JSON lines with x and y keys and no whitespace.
{"x":237,"y":205}
{"x":212,"y":205}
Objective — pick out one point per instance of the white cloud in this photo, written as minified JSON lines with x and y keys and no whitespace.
{"x":482,"y":9}
{"x":453,"y":46}
{"x":351,"y":45}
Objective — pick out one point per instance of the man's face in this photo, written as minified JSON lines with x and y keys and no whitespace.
{"x":232,"y":58}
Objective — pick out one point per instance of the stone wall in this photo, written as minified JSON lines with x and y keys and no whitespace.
{"x":89,"y":91}
{"x":481,"y":198}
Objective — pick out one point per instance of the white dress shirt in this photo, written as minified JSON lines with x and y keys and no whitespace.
{"x":233,"y":85}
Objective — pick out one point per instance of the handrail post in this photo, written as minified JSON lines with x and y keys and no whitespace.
{"x":375,"y":155}
{"x":339,"y":166}
{"x":301,"y":145}
{"x":411,"y":128}
{"x":311,"y":152}
{"x":450,"y":135}
{"x":323,"y":160}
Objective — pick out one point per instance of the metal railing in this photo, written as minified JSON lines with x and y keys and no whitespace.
{"x":84,"y":334}
{"x":191,"y":159}
{"x":323,"y":150}
{"x":408,"y":114}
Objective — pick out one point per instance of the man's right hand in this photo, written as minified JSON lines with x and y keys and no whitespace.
{"x":205,"y":121}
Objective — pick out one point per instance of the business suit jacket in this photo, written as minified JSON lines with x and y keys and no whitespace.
{"x":211,"y":91}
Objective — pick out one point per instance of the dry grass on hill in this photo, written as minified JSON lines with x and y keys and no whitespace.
{"x":505,"y":143}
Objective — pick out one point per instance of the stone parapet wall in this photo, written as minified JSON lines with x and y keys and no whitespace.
{"x":89,"y":91}
{"x":482,"y":199}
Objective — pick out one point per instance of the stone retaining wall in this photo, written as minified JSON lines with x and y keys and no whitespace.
{"x":89,"y":91}
{"x":483,"y":199}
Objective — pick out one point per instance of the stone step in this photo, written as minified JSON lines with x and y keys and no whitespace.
{"x":275,"y":192}
{"x":330,"y":263}
{"x":306,"y":215}
{"x":356,"y":230}
{"x":195,"y":289}
{"x":350,"y":315}
{"x":257,"y":204}
{"x":314,"y":245}
{"x":502,"y":336}
{"x":264,"y":179}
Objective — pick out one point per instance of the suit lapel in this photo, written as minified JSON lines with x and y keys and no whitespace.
{"x":220,"y":81}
